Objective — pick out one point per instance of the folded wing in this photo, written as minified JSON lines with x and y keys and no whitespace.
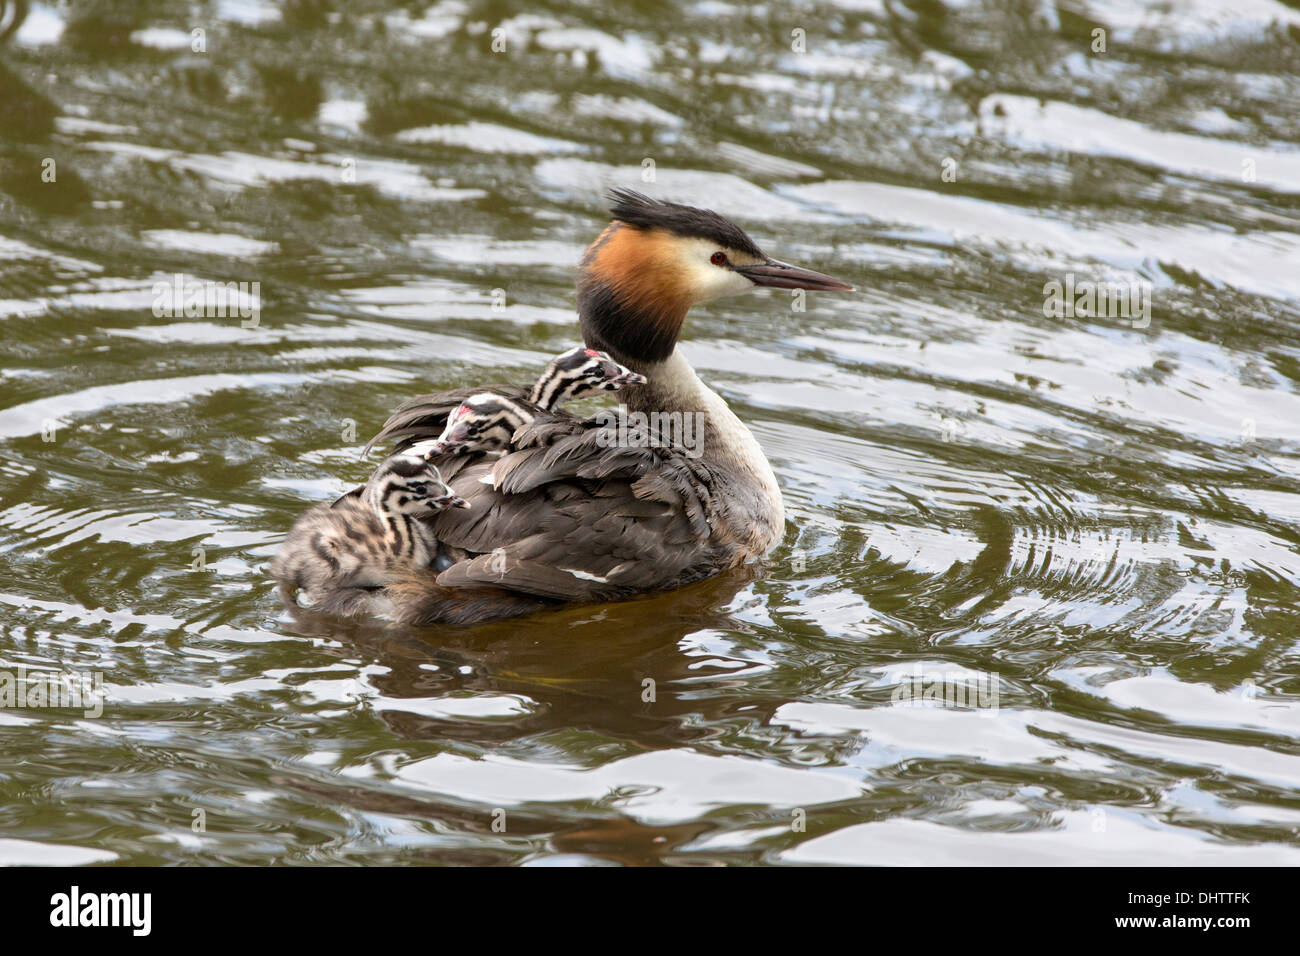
{"x":569,"y":515}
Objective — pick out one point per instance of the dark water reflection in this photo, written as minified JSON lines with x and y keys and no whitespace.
{"x":1092,"y":518}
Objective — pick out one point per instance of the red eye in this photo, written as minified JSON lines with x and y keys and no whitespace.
{"x":718,"y":258}
{"x":591,"y":353}
{"x":460,"y":413}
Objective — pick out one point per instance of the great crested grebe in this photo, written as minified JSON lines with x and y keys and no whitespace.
{"x":342,"y":549}
{"x":567,"y":515}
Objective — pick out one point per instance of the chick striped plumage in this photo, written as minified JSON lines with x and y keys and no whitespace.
{"x":362,"y":540}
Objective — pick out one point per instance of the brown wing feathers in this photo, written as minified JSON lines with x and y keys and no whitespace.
{"x":570,"y":520}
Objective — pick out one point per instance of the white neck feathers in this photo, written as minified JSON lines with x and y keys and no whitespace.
{"x":728,"y":446}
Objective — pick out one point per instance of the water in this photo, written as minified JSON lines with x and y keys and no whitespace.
{"x":1090,"y":522}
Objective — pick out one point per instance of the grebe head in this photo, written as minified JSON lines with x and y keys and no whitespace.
{"x":483,"y":422}
{"x":656,"y":260}
{"x":580,"y":373}
{"x":407,"y":484}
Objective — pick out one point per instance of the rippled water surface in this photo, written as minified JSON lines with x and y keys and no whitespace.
{"x":1092,"y":520}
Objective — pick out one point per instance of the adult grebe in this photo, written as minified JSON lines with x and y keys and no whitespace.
{"x":571,"y":514}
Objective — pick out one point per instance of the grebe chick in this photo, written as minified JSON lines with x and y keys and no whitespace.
{"x":361,"y":541}
{"x":483,"y":422}
{"x":580,"y":373}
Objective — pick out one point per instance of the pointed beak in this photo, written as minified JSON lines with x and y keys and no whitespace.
{"x":624,"y":379}
{"x":782,"y":275}
{"x":439,"y":447}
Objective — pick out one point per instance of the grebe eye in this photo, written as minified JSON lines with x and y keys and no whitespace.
{"x":718,"y":258}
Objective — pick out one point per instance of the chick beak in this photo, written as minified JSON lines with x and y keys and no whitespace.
{"x":436,"y":449}
{"x":782,"y":275}
{"x":624,"y":379}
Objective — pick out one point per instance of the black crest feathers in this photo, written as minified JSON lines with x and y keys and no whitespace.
{"x":642,"y":212}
